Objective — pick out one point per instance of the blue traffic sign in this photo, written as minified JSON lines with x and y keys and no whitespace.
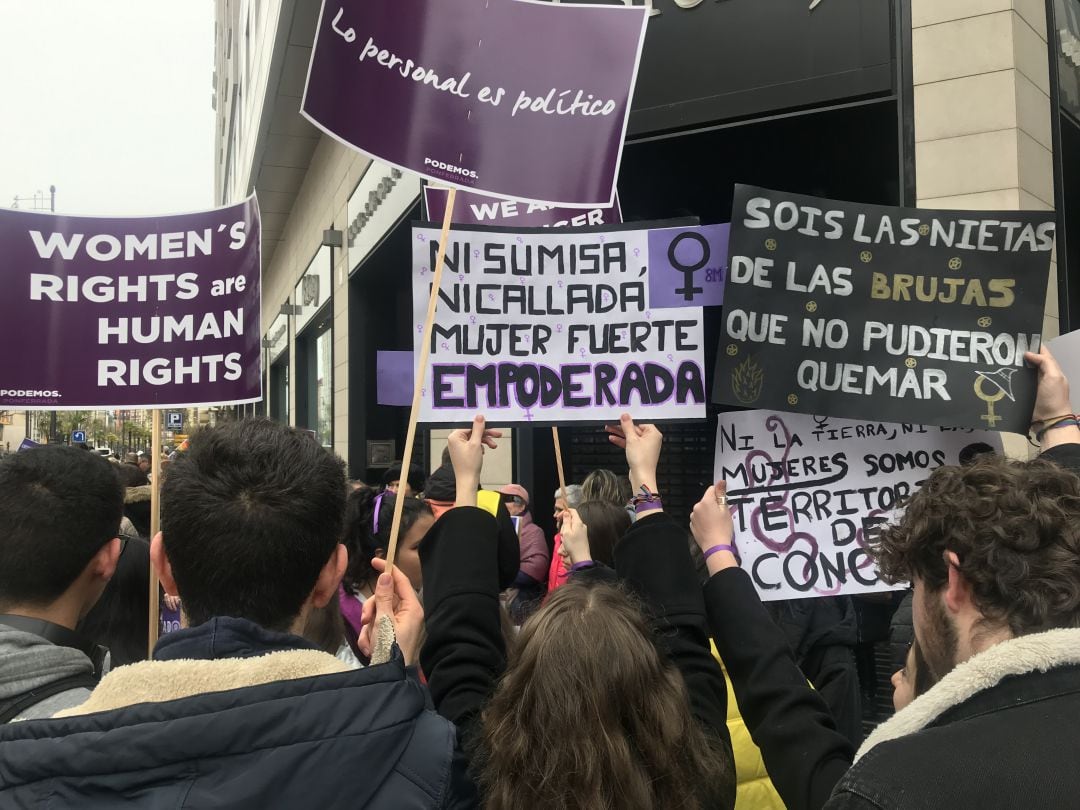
{"x":78,"y":437}
{"x":174,"y":420}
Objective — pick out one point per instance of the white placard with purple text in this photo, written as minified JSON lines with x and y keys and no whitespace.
{"x":810,"y":493}
{"x":548,"y":327}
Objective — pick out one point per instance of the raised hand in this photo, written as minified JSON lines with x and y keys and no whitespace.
{"x":396,"y":600}
{"x":575,"y":538}
{"x":711,"y":525}
{"x":467,"y":457}
{"x":642,"y":445}
{"x":1052,"y":399}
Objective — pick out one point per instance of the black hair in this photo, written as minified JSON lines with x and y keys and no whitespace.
{"x":415,"y":477}
{"x":58,"y":507}
{"x":361,"y":539}
{"x":120,"y":618}
{"x":250,"y":514}
{"x":131,"y":476}
{"x":971,"y":453}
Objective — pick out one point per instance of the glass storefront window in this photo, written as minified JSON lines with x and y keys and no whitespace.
{"x":279,"y":391}
{"x":324,"y":386}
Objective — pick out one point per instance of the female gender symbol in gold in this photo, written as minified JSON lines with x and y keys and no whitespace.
{"x":989,"y":417}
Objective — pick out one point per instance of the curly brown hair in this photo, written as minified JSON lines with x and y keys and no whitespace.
{"x":590,"y":715}
{"x":1015,"y":528}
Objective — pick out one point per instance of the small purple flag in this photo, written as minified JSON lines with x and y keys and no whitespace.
{"x":394,"y":377}
{"x":688,"y":266}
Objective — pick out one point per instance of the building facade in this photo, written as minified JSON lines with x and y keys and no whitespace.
{"x":936,"y":103}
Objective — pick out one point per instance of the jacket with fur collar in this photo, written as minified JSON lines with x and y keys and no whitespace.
{"x":237,"y":716}
{"x":999,"y":731}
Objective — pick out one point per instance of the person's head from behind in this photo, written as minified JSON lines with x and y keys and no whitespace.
{"x":369,"y":516}
{"x":408,"y":484}
{"x":251,"y":521}
{"x":606,"y":523}
{"x":604,"y":485}
{"x":60,"y":510}
{"x":570,"y":499}
{"x":589,"y":714}
{"x":912,"y":680}
{"x":993,"y":552}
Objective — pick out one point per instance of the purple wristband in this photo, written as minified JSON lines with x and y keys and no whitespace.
{"x":581,"y":566}
{"x":648,"y":506}
{"x":721,"y":547}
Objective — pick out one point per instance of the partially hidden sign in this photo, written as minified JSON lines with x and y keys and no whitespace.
{"x":148,"y":312}
{"x":481,"y":209}
{"x":549,"y":326}
{"x":810,"y":494}
{"x":518,"y":99}
{"x":877,"y":312}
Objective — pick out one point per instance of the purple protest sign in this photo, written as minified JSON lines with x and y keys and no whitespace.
{"x":481,"y":209}
{"x":519,"y":99}
{"x":688,"y":266}
{"x":149,"y":312}
{"x":394,"y":377}
{"x":169,"y":617}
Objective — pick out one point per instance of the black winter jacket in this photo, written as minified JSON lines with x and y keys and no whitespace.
{"x":346,"y":738}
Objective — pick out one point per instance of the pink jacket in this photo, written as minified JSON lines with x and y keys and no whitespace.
{"x":534,"y":550}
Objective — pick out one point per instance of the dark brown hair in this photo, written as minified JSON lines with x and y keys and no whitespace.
{"x":607,"y":523}
{"x":1015,"y":527}
{"x":590,"y":715}
{"x":604,"y":485}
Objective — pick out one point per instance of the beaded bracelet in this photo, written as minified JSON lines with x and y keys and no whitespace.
{"x":646,"y":496}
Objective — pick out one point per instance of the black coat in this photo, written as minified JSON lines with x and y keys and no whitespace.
{"x":963,"y":745}
{"x":803,"y":751}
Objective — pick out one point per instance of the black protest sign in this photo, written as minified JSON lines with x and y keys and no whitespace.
{"x":883,"y":313}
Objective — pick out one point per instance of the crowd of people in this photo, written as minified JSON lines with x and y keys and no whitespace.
{"x":489,"y":668}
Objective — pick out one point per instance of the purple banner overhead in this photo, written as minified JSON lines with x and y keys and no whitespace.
{"x":481,"y":209}
{"x":149,"y":312}
{"x":515,"y":98}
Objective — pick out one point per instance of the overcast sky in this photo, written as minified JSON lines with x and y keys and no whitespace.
{"x":108,"y":100}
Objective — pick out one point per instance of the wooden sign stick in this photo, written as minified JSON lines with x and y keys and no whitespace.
{"x":421,"y":374}
{"x":558,"y":464}
{"x":155,"y":527}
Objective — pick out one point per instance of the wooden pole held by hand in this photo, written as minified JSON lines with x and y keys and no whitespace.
{"x":558,"y":463}
{"x":155,"y":526}
{"x":421,"y":374}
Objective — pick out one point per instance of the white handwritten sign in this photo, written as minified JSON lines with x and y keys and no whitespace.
{"x":547,"y":327}
{"x":809,"y":494}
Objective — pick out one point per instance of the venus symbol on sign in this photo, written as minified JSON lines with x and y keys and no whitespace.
{"x":688,"y":290}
